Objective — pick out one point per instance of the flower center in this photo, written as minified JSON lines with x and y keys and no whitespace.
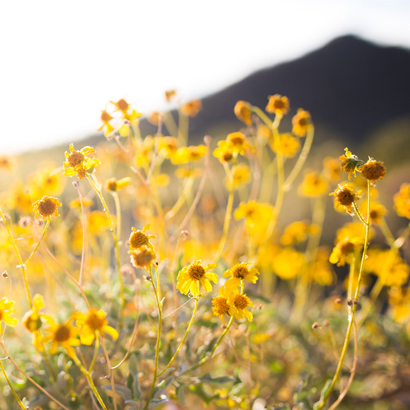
{"x":347,"y":247}
{"x":47,"y":207}
{"x":138,"y":239}
{"x":221,"y":306}
{"x":142,"y":258}
{"x":94,"y":321}
{"x":345,"y":197}
{"x":196,"y":272}
{"x":240,"y":302}
{"x":279,"y":104}
{"x":122,"y":105}
{"x":75,"y":159}
{"x":62,"y":334}
{"x":240,"y":272}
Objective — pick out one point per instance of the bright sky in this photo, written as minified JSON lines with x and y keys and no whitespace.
{"x":62,"y":61}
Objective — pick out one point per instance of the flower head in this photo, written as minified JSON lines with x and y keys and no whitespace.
{"x":377,"y":212}
{"x":6,"y":311}
{"x":344,"y":249}
{"x":237,"y":142}
{"x":238,"y":273}
{"x":373,"y":170}
{"x":46,"y":207}
{"x":349,"y":163}
{"x":286,"y":145}
{"x":78,"y":163}
{"x":184,"y":155}
{"x":239,"y":304}
{"x":170,"y":95}
{"x":105,"y":119}
{"x":241,"y":175}
{"x":91,"y":323}
{"x":63,"y":334}
{"x":139,"y":238}
{"x":345,"y":196}
{"x":32,"y":320}
{"x":220,"y":303}
{"x":331,"y":169}
{"x":115,"y":185}
{"x":313,"y":185}
{"x":402,"y":201}
{"x":143,"y":257}
{"x":277,"y":105}
{"x":192,"y":108}
{"x":190,"y":277}
{"x":224,"y":152}
{"x":243,"y":112}
{"x":301,"y":123}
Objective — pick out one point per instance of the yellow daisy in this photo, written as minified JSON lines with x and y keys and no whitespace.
{"x":220,"y":303}
{"x":190,"y":276}
{"x":91,"y":323}
{"x":140,"y":238}
{"x":77,"y":162}
{"x":6,"y":310}
{"x":238,"y":304}
{"x":238,"y":273}
{"x":46,"y":207}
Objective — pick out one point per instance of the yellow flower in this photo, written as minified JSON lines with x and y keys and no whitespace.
{"x":241,"y":176}
{"x":277,"y":105}
{"x":255,"y":214}
{"x":190,"y":277}
{"x":46,"y":181}
{"x":99,"y":223}
{"x":402,"y":201}
{"x":321,"y":272}
{"x":224,"y":152}
{"x":344,"y":249}
{"x":167,"y":146}
{"x":239,"y":304}
{"x":105,"y":119}
{"x":288,"y":263}
{"x":32,"y":321}
{"x":345,"y":196}
{"x":349,"y":163}
{"x":115,"y":185}
{"x":184,"y":155}
{"x":192,"y":108}
{"x":188,"y":173}
{"x":352,"y":230}
{"x":91,"y":323}
{"x":139,"y":238}
{"x":154,"y":118}
{"x":313,"y":185}
{"x":237,"y":142}
{"x":76,"y":203}
{"x":170,"y":95}
{"x":6,"y":163}
{"x":63,"y":334}
{"x":243,"y":112}
{"x":238,"y":273}
{"x":19,"y":198}
{"x":6,"y":311}
{"x":331,"y":169}
{"x":286,"y":145}
{"x":373,"y":170}
{"x":78,"y":163}
{"x":143,"y":257}
{"x":377,"y":212}
{"x":46,"y":207}
{"x":297,"y":232}
{"x":220,"y":303}
{"x":301,"y":123}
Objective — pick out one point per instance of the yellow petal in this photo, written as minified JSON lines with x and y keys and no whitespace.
{"x":111,"y":331}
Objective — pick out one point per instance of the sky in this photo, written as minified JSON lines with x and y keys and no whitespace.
{"x":62,"y":62}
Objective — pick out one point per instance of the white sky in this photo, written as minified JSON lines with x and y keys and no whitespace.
{"x":62,"y":61}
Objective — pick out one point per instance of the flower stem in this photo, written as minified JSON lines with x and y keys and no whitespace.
{"x":38,"y":244}
{"x":11,"y":386}
{"x":321,"y":404}
{"x":116,"y":246}
{"x":183,"y":340}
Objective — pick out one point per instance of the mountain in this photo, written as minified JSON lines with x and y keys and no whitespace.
{"x":350,"y":86}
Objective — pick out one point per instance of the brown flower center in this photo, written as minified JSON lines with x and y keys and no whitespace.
{"x":122,"y":105}
{"x":346,"y":247}
{"x":240,"y":272}
{"x":75,"y":159}
{"x":373,"y":170}
{"x":278,"y":104}
{"x":240,"y":302}
{"x":81,"y":173}
{"x":1,"y":315}
{"x":94,"y":321}
{"x":142,"y":258}
{"x":196,"y":272}
{"x":345,"y":196}
{"x":221,"y":306}
{"x":138,"y":239}
{"x":46,"y":207}
{"x":111,"y":185}
{"x":62,"y":334}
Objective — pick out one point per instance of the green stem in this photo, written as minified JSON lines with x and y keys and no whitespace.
{"x":97,"y":345}
{"x":38,"y":244}
{"x":116,"y":247}
{"x":19,"y":258}
{"x":157,"y":344}
{"x":353,"y":309}
{"x":183,"y":340}
{"x":11,"y":386}
{"x":117,"y":213}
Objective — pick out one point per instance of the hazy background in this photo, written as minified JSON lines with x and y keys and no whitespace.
{"x":63,"y":61}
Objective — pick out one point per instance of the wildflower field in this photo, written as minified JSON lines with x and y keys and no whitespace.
{"x":154,"y":271}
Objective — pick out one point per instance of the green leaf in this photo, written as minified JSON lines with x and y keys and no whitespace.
{"x":207,"y":378}
{"x":323,"y":394}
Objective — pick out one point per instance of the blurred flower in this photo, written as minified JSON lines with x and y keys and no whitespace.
{"x":373,"y":170}
{"x":115,"y":185}
{"x":184,"y":155}
{"x":243,"y":112}
{"x":343,"y":251}
{"x":105,"y":119}
{"x":277,"y":105}
{"x":301,"y":123}
{"x":167,"y":146}
{"x":349,"y":163}
{"x":78,"y":163}
{"x":224,"y":152}
{"x":142,"y":257}
{"x":286,"y":145}
{"x":237,"y":142}
{"x":345,"y":196}
{"x":190,"y":276}
{"x":192,"y":108}
{"x":331,"y":169}
{"x":170,"y":95}
{"x":241,"y":176}
{"x":288,"y":263}
{"x":321,"y":271}
{"x":91,"y":323}
{"x":313,"y":185}
{"x":297,"y":232}
{"x":46,"y":181}
{"x":402,"y":201}
{"x":64,"y":334}
{"x":6,"y":311}
{"x":377,"y":212}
